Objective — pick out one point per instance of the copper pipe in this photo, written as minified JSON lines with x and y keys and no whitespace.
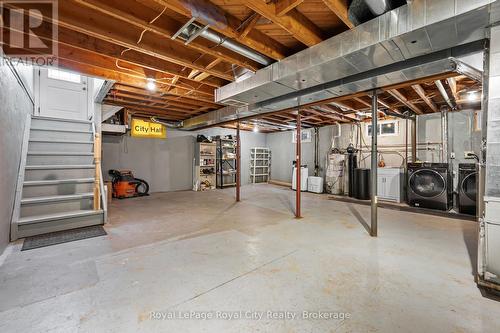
{"x":298,"y":167}
{"x":238,"y":162}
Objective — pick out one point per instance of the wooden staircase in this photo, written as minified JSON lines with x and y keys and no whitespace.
{"x":59,"y":185}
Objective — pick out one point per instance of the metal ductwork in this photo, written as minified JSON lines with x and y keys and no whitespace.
{"x":378,"y":7}
{"x":425,"y":66}
{"x":236,"y":47}
{"x":361,"y":11}
{"x":395,"y":47}
{"x":192,"y":30}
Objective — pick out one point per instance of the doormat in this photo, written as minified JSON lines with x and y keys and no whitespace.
{"x":64,"y":236}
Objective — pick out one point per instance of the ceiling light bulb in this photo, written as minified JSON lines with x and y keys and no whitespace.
{"x":151,"y":85}
{"x":255,"y":129}
{"x":472,"y":96}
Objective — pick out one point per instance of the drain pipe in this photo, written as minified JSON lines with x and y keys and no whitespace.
{"x":444,"y":134}
{"x":443,"y":93}
{"x":414,"y":139}
{"x":316,"y":152}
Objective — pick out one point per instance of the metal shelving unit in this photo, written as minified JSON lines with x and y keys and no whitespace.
{"x":226,"y":163}
{"x":204,"y":174}
{"x":260,"y":165}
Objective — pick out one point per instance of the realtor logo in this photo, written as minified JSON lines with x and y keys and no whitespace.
{"x":28,"y":33}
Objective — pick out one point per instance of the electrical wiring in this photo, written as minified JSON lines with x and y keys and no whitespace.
{"x":171,"y":83}
{"x":141,"y":35}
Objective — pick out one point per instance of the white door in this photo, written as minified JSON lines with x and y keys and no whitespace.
{"x":62,"y":94}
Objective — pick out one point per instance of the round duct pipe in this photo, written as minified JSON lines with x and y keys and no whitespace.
{"x":361,"y":11}
{"x":236,"y":47}
{"x":378,"y":7}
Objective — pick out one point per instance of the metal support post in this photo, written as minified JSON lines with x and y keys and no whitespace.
{"x":238,"y":162}
{"x":298,"y":167}
{"x":374,"y":155}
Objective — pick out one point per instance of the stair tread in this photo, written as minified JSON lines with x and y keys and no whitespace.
{"x":60,"y":130}
{"x":80,"y":121}
{"x":60,"y":167}
{"x":60,"y":153}
{"x":58,"y":181}
{"x":57,"y":216}
{"x":62,"y":141}
{"x":54,"y":198}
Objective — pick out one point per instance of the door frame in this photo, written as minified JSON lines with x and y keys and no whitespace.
{"x":37,"y":85}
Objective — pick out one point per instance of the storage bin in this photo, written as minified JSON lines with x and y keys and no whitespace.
{"x":315,"y":184}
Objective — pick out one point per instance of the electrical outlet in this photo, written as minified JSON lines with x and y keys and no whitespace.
{"x":452,"y":155}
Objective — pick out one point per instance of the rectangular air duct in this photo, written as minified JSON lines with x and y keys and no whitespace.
{"x":421,"y":27}
{"x":338,"y":66}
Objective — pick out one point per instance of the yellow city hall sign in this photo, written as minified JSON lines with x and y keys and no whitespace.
{"x":147,"y":129}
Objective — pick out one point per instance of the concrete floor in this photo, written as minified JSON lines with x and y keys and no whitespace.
{"x":189,"y":253}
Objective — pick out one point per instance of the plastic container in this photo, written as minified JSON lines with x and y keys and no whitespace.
{"x":315,"y":184}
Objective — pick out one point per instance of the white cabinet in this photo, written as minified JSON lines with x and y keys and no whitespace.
{"x":389,"y":184}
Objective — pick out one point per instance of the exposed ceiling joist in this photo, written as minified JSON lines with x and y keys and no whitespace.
{"x":88,"y":22}
{"x":252,"y":22}
{"x":284,"y":6}
{"x":421,"y":92}
{"x":340,"y":8}
{"x":299,"y":26}
{"x":208,"y":13}
{"x":166,"y":27}
{"x":403,"y":99}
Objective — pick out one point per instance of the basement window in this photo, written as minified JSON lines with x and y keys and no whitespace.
{"x":385,"y":128}
{"x":64,"y":76}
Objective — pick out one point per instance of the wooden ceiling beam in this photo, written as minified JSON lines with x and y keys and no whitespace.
{"x":250,"y":25}
{"x":327,"y":115}
{"x":284,"y":6}
{"x":340,"y":8}
{"x":421,"y":93}
{"x":387,"y":105}
{"x":78,"y":41}
{"x":165,"y":27}
{"x":452,"y":83}
{"x":403,"y":99}
{"x":84,"y":57}
{"x":337,"y":112}
{"x":154,"y":101}
{"x":227,"y":25}
{"x":202,"y":76}
{"x":86,"y":21}
{"x":299,"y":26}
{"x":145,"y":112}
{"x":163,"y":95}
{"x":171,"y":110}
{"x":126,"y":79}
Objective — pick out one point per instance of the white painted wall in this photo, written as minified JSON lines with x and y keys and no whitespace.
{"x":167,"y":164}
{"x":15,"y":105}
{"x":462,"y":138}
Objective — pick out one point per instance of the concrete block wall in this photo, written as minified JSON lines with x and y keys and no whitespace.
{"x":15,"y":104}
